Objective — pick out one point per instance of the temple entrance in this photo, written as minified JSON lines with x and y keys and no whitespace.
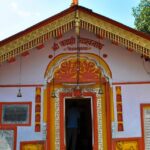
{"x":78,"y":115}
{"x":95,"y":109}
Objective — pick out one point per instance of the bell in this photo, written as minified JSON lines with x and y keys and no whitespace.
{"x":53,"y":95}
{"x":100,"y":91}
{"x":19,"y":93}
{"x":77,"y":87}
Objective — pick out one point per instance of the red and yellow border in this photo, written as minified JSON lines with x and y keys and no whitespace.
{"x":20,"y":103}
{"x":23,"y":144}
{"x":143,"y":106}
{"x":15,"y":133}
{"x":95,"y":123}
{"x":128,"y":143}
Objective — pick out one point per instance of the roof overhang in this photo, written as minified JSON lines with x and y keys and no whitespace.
{"x":65,"y":21}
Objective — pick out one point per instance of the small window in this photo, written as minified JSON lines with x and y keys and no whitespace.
{"x":16,"y":113}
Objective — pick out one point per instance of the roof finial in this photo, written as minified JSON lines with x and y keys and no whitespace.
{"x":74,"y":2}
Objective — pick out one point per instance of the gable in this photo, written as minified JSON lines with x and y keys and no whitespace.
{"x":65,"y":21}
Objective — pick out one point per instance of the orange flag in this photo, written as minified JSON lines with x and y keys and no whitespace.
{"x":75,"y":2}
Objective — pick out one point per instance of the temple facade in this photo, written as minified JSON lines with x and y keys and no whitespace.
{"x":82,"y":58}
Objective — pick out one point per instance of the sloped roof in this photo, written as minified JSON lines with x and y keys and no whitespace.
{"x":64,"y":21}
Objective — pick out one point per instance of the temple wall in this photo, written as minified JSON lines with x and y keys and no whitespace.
{"x":126,"y":66}
{"x":132,"y":97}
{"x":24,"y":133}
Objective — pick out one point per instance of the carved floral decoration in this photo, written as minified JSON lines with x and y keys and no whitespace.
{"x":67,"y":72}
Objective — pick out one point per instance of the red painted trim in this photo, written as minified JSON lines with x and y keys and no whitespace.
{"x":40,"y":46}
{"x":22,"y":143}
{"x":65,"y":12}
{"x":38,"y":109}
{"x":134,"y":82}
{"x":142,"y":122}
{"x":95,"y":118}
{"x":108,"y":116}
{"x":20,"y":103}
{"x":47,"y":144}
{"x":138,"y":139}
{"x":37,"y":26}
{"x":15,"y":133}
{"x":0,"y":113}
{"x":24,"y":54}
{"x":118,"y":24}
{"x":62,"y":123}
{"x":41,"y":85}
{"x":23,"y":85}
{"x":119,"y":109}
{"x":127,"y":139}
{"x":11,"y":60}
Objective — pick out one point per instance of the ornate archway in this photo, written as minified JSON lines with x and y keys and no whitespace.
{"x":65,"y":65}
{"x":63,"y":70}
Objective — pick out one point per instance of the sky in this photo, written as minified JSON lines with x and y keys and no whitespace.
{"x":17,"y":15}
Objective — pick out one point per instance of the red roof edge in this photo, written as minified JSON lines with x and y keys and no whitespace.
{"x":38,"y":25}
{"x":67,"y":11}
{"x":139,"y":33}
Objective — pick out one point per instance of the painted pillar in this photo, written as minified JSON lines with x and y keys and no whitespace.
{"x":108,"y":117}
{"x":50,"y":120}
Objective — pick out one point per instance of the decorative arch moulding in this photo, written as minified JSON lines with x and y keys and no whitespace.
{"x":64,"y":68}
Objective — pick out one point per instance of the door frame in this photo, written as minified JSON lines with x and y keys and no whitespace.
{"x":91,"y":116}
{"x":55,"y":121}
{"x":93,"y":97}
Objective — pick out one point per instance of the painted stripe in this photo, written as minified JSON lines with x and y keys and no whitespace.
{"x":41,"y":85}
{"x":23,"y":85}
{"x":133,"y":82}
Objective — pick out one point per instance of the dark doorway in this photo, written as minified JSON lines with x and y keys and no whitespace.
{"x":84,"y":129}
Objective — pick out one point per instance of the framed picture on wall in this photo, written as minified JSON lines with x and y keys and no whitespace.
{"x":32,"y":145}
{"x":16,"y":113}
{"x":7,"y":139}
{"x":145,"y":122}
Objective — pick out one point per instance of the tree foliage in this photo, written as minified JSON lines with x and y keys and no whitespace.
{"x":142,"y":16}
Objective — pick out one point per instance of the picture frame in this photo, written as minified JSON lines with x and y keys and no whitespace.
{"x":8,"y":138}
{"x":16,"y":113}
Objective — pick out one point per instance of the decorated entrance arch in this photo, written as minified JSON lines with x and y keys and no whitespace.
{"x":64,"y":68}
{"x":61,"y":77}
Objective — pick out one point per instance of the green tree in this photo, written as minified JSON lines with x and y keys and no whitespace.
{"x":142,"y":16}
